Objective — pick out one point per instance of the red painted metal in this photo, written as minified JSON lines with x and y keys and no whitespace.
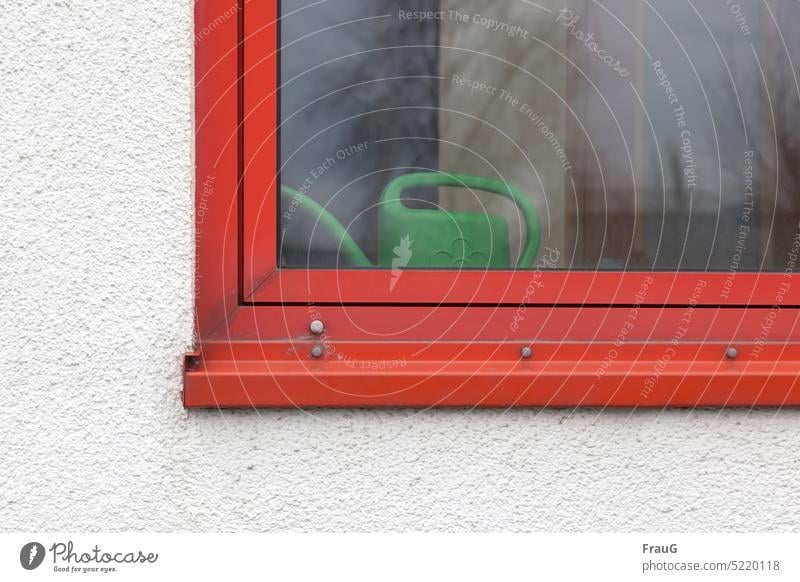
{"x":216,"y":175}
{"x":492,"y":374}
{"x":260,"y":139}
{"x":521,"y":325}
{"x":439,"y":338}
{"x":536,"y":287}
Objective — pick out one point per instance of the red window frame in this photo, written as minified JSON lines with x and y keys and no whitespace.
{"x":631,"y":339}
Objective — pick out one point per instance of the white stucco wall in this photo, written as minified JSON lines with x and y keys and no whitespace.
{"x":95,"y":304}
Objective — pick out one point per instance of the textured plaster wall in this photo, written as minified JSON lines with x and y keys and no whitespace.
{"x":96,"y":270}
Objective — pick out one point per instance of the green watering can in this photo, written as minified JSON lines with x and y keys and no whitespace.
{"x":430,"y":238}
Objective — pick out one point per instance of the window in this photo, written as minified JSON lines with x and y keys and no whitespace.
{"x":472,"y":203}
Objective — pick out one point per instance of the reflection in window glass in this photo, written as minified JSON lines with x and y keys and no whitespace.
{"x":611,"y":134}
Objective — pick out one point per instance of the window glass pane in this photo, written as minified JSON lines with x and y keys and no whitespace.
{"x":577,"y":134}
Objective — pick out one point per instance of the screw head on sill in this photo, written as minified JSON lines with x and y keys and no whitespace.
{"x":526,"y":352}
{"x":317,"y":327}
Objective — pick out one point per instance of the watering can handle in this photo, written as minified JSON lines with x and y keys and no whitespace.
{"x":349,"y":247}
{"x":533,"y":234}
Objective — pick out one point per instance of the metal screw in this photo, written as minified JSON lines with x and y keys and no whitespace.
{"x":526,"y":352}
{"x":317,"y":327}
{"x":732,"y":353}
{"x":316,"y":352}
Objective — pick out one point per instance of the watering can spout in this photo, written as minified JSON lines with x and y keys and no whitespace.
{"x":295,"y":199}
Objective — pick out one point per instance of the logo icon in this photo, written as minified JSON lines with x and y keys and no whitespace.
{"x":460,"y":255}
{"x":31,"y":555}
{"x":402,"y":256}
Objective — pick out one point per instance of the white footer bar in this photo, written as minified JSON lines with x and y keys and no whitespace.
{"x":400,"y":557}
